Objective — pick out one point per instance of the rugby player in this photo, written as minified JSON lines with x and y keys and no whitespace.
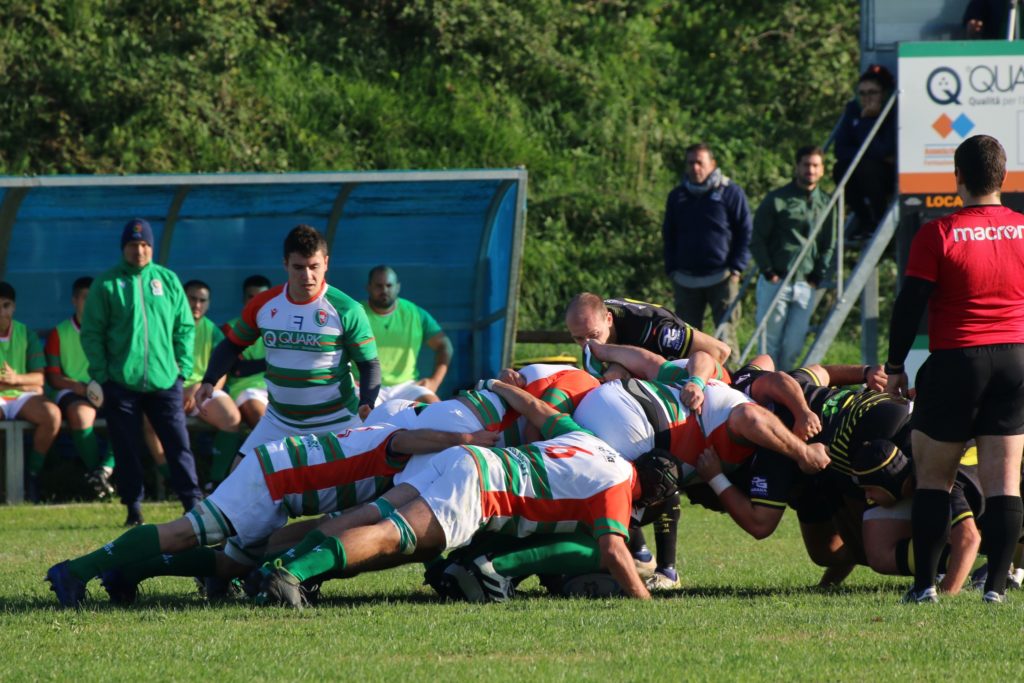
{"x":297,"y":476}
{"x":569,"y":481}
{"x":311,"y":332}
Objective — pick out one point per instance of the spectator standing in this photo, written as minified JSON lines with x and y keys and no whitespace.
{"x":138,"y":335}
{"x":67,"y":373}
{"x":782,"y":225}
{"x":968,"y":268}
{"x":706,"y":233}
{"x":21,"y":386}
{"x":401,"y":328}
{"x":871,"y":186}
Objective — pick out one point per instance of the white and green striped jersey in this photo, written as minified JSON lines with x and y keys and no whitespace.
{"x":309,"y":347}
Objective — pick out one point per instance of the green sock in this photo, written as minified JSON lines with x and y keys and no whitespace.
{"x":164,"y":470}
{"x":35,"y":462}
{"x":88,"y":447}
{"x":134,"y":545}
{"x":225,"y":447}
{"x":550,"y":554}
{"x":309,"y":541}
{"x":201,"y":561}
{"x":326,"y":556}
{"x":108,"y":458}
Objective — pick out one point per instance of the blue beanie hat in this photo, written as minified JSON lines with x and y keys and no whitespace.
{"x":137,"y":230}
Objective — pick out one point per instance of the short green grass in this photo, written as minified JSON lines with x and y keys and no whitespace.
{"x":746,"y":612}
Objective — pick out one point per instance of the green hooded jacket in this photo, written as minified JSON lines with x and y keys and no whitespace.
{"x":137,"y":329}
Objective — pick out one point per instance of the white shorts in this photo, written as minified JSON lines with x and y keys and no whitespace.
{"x":617,"y":419}
{"x":269,"y":428}
{"x":900,"y":511}
{"x":410,"y":391}
{"x":453,"y":495}
{"x":243,"y":498}
{"x":217,"y":393}
{"x":446,"y":416}
{"x":252,"y":394}
{"x":12,"y":406}
{"x":397,"y":411}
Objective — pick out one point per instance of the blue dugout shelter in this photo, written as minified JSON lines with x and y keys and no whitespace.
{"x":454,"y":237}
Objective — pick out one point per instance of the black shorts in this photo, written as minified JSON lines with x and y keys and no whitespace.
{"x":69,"y":399}
{"x":977,"y":391}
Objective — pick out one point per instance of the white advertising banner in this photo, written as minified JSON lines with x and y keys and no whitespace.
{"x":950,"y":91}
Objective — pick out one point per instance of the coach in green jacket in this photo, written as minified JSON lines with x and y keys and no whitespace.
{"x":138,"y":334}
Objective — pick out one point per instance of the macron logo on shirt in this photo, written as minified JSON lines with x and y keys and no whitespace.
{"x":988,"y":233}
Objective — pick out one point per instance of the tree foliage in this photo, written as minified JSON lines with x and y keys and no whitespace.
{"x":596,"y":98}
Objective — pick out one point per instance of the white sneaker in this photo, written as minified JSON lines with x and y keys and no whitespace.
{"x":913,"y":597}
{"x":660,"y":581}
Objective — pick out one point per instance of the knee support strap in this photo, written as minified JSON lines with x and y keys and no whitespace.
{"x":406,"y":536}
{"x":209,"y":524}
{"x":383,"y":507}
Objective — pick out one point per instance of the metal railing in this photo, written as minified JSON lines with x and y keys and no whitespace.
{"x":837,"y":202}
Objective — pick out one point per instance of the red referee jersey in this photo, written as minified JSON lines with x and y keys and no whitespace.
{"x":975,"y":257}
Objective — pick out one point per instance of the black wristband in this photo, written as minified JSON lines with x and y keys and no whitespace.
{"x":867,"y":368}
{"x":893,"y":369}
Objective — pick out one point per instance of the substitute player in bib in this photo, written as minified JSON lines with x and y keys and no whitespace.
{"x":297,"y":476}
{"x":246,"y":384}
{"x":67,"y":373}
{"x":571,"y":480}
{"x":312,"y":332}
{"x":400,"y":329}
{"x":968,"y":268}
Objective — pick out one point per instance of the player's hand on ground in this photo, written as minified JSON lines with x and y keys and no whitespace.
{"x":815,"y":458}
{"x":876,"y":378}
{"x":692,"y":396}
{"x":510,"y":376}
{"x":483,"y":438}
{"x":896,"y":384}
{"x":709,"y":465}
{"x":807,"y":425}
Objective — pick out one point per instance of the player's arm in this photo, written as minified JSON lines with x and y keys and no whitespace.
{"x":533,"y":409}
{"x":751,"y":424}
{"x":906,"y":317}
{"x":778,"y":387}
{"x":222,"y":358}
{"x":716,"y":348}
{"x":617,"y":560}
{"x":964,"y":543}
{"x":873,"y":376}
{"x":22,"y":381}
{"x":442,"y":348}
{"x":760,"y":521}
{"x":420,"y":441}
{"x":638,"y":361}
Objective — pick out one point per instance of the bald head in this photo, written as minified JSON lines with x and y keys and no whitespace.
{"x":587,"y":317}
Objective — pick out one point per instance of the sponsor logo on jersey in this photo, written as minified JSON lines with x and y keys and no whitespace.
{"x":758,"y":486}
{"x":990,"y":233}
{"x":321,"y":317}
{"x":296,"y":322}
{"x":311,"y":442}
{"x":671,"y":338}
{"x":291,"y":340}
{"x":157,"y":287}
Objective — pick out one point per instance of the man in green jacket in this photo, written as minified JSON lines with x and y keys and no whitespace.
{"x":138,"y":335}
{"x":782,"y":225}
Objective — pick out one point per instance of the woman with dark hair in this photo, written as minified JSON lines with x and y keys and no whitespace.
{"x":873,"y":181}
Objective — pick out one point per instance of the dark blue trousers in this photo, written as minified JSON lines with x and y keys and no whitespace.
{"x":124,"y":408}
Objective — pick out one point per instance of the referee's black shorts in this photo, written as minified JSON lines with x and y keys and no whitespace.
{"x":975,"y":391}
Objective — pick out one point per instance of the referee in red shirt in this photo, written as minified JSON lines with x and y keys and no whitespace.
{"x":968,"y":268}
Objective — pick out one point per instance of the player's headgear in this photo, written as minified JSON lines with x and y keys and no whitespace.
{"x":880,"y":463}
{"x":658,"y":473}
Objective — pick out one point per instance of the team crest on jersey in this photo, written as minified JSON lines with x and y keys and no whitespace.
{"x":157,"y":287}
{"x":321,"y":317}
{"x":671,"y":338}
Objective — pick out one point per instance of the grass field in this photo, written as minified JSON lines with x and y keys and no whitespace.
{"x":746,"y":611}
